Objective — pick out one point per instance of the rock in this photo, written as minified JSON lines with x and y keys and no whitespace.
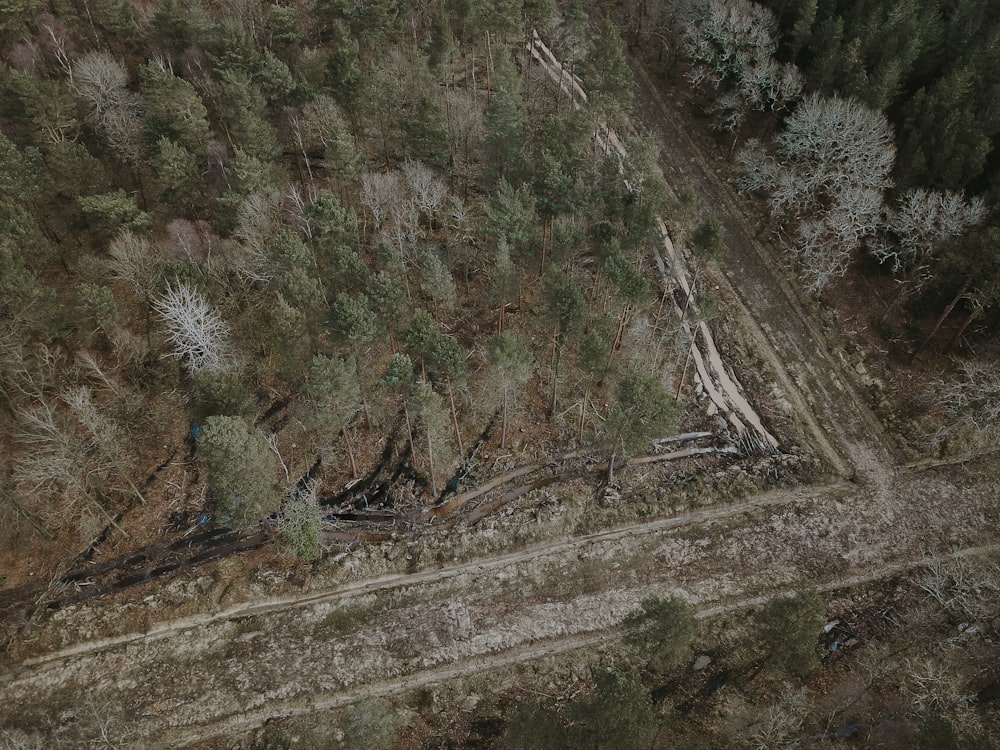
{"x":701,"y":662}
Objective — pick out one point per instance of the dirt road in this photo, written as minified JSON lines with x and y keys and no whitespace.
{"x":227,"y":672}
{"x":810,"y":374}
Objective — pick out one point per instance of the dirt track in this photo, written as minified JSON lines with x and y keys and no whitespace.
{"x":811,"y":375}
{"x":214,"y":674}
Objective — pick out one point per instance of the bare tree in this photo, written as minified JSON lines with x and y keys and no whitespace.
{"x":258,"y":222}
{"x":197,"y":335}
{"x":833,"y":164}
{"x":974,"y":400}
{"x":101,"y":83}
{"x":428,"y":190}
{"x":731,"y":44}
{"x":131,"y":258}
{"x":920,"y":224}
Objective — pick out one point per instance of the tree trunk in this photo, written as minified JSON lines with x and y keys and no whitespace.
{"x":350,"y":452}
{"x":409,"y":433}
{"x":897,"y":299}
{"x":503,"y":429}
{"x":430,"y":463}
{"x":680,"y":382}
{"x":940,"y":321}
{"x":555,"y":380}
{"x":454,"y":419}
{"x":976,"y":312}
{"x":583,"y":414}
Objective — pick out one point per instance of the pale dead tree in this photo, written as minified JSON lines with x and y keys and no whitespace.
{"x":836,"y":143}
{"x":731,"y":44}
{"x":428,"y":189}
{"x":832,"y":168}
{"x":390,"y":204}
{"x":57,"y":42}
{"x":296,"y":201}
{"x":920,"y":224}
{"x":258,"y":221}
{"x":969,"y":589}
{"x":131,"y":258}
{"x":380,"y":192}
{"x":779,"y":723}
{"x":101,"y":83}
{"x":464,"y":121}
{"x":54,"y":463}
{"x":197,"y":335}
{"x":973,"y":401}
{"x":932,"y":685}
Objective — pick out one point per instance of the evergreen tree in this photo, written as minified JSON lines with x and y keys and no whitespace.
{"x":510,"y":366}
{"x":662,"y":632}
{"x":241,"y":469}
{"x":618,"y":716}
{"x":789,"y":628}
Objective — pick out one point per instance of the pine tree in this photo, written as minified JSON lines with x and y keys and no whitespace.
{"x":241,"y":469}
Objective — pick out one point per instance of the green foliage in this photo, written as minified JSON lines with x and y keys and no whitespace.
{"x":299,"y":524}
{"x":618,"y":716}
{"x":219,"y":393}
{"x":436,"y":282}
{"x":662,"y":631}
{"x":510,"y":360}
{"x":371,"y":724}
{"x":567,"y":307}
{"x":532,"y":726}
{"x":512,"y":217}
{"x":110,"y":213}
{"x":707,"y":239}
{"x":631,"y":285}
{"x":14,"y":17}
{"x":329,"y":223}
{"x":643,"y":410}
{"x":504,"y":138}
{"x":288,"y":333}
{"x":179,"y":174}
{"x":352,"y":317}
{"x":174,"y":110}
{"x":943,"y":142}
{"x":423,"y":128}
{"x":788,"y":629}
{"x":336,"y":392}
{"x":241,"y":469}
{"x":399,"y":374}
{"x":101,"y":305}
{"x":604,"y":68}
{"x":72,"y":170}
{"x":437,"y":353}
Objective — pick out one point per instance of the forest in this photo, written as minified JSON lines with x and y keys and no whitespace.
{"x":382,"y":222}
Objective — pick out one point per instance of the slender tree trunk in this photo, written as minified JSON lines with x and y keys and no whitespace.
{"x":454,"y":419}
{"x":940,"y":321}
{"x":409,"y":432}
{"x":583,"y":414}
{"x":430,"y":462}
{"x":350,"y":452}
{"x":680,"y":382}
{"x":503,"y":429}
{"x":557,"y":355}
{"x":620,"y":333}
{"x":976,"y":312}
{"x":896,"y":301}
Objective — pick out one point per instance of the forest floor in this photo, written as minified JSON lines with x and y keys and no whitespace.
{"x":186,"y":664}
